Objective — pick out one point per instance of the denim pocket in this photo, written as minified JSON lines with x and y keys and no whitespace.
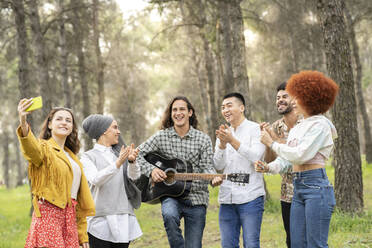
{"x":310,"y":185}
{"x":329,"y":193}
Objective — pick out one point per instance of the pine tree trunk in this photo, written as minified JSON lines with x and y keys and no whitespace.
{"x":22,"y":50}
{"x":203,"y":93}
{"x":208,"y":63}
{"x":211,"y":88}
{"x":358,"y":88}
{"x":19,"y":162}
{"x":239,"y":65}
{"x":205,"y":77}
{"x":225,"y":45}
{"x":100,"y":65}
{"x":5,"y":141}
{"x":79,"y":36}
{"x":348,"y":173}
{"x":23,"y":65}
{"x":41,"y":57}
{"x":64,"y":58}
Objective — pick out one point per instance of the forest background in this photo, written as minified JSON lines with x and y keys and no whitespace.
{"x":101,"y":56}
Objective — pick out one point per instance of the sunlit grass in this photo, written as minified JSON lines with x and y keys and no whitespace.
{"x":14,"y":216}
{"x":346,"y":231}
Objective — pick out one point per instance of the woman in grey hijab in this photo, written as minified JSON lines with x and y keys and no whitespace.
{"x":110,"y":168}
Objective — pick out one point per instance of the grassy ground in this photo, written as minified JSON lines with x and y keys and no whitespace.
{"x":346,"y":231}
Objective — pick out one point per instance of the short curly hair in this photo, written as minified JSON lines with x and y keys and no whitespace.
{"x":315,"y":92}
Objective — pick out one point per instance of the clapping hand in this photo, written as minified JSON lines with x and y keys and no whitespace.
{"x":124,"y":153}
{"x":266,"y":138}
{"x":265,"y":126}
{"x":133,"y":153}
{"x":224,"y":135}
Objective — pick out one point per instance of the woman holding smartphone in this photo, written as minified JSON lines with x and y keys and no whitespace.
{"x":61,"y":196}
{"x":308,"y":147}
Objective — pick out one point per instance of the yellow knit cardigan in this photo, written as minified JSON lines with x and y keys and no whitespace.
{"x":51,"y":177}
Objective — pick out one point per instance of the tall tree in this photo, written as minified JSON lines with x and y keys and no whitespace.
{"x":99,"y":61}
{"x":241,"y":79}
{"x":19,"y":162}
{"x":5,"y":142}
{"x":225,"y":45}
{"x":79,"y":34}
{"x":22,"y":50}
{"x":41,"y":56}
{"x":348,"y":172}
{"x":64,"y":55}
{"x":232,"y":49}
{"x":358,"y":86}
{"x":196,"y":14}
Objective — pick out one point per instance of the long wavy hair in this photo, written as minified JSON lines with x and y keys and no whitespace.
{"x":72,"y":140}
{"x":167,"y":116}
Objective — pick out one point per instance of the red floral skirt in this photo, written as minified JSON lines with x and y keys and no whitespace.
{"x":56,"y":228}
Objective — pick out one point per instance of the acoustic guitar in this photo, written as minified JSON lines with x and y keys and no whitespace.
{"x":179,"y":179}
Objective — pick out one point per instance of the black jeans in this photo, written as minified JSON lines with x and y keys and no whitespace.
{"x":98,"y":243}
{"x":286,"y":213}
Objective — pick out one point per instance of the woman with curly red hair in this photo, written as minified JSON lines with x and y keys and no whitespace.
{"x":308,"y":147}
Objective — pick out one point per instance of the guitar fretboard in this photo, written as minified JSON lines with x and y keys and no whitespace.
{"x":198,"y":176}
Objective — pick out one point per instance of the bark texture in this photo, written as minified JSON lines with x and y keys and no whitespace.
{"x":79,"y":48}
{"x":64,"y":58}
{"x":358,"y":88}
{"x":99,"y":60}
{"x":41,"y":57}
{"x":348,"y":172}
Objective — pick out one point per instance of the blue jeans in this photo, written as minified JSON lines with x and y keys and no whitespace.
{"x":194,"y":217}
{"x":248,"y":216}
{"x":311,"y":210}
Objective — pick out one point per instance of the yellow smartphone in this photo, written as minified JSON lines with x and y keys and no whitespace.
{"x":37,"y":102}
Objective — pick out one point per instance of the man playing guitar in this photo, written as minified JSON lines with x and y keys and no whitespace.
{"x":179,"y":138}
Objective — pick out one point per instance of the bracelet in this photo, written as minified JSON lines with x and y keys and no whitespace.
{"x":131,"y":161}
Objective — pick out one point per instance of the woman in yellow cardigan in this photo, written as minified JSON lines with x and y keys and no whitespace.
{"x":61,"y":195}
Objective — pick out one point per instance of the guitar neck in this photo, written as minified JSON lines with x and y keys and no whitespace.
{"x":198,"y":176}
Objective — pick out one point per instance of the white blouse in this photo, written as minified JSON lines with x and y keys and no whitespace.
{"x":311,"y":137}
{"x":76,"y":176}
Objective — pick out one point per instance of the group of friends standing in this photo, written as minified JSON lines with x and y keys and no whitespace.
{"x":90,"y":202}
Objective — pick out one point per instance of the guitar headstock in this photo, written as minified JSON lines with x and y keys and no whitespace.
{"x":238,"y":177}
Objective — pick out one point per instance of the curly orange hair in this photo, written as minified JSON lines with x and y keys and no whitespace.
{"x":315,"y":92}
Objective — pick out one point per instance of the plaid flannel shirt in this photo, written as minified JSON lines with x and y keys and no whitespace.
{"x":195,"y":147}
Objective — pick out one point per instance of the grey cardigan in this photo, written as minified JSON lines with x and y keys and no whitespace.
{"x":119,"y":195}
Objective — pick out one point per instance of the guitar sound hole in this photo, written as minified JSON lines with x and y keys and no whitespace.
{"x":170,"y":177}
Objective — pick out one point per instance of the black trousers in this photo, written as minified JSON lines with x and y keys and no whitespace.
{"x":98,"y":243}
{"x":286,"y":213}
